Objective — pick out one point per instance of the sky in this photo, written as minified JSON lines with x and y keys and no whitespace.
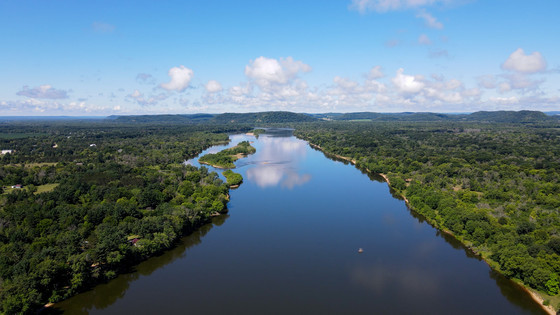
{"x":97,"y":58}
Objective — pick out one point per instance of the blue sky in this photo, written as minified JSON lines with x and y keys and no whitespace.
{"x":155,"y":57}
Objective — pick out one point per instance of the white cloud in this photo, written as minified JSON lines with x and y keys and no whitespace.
{"x":51,"y":107}
{"x":407,"y":83}
{"x":240,"y":90}
{"x":266,"y":72}
{"x":474,"y":92}
{"x":43,"y":91}
{"x":375,"y":73}
{"x":180,"y":79}
{"x":520,"y":62}
{"x":141,"y":100}
{"x":424,"y":40}
{"x":487,"y":81}
{"x":429,"y":20}
{"x":504,"y":100}
{"x":504,"y":87}
{"x":213,"y":86}
{"x":522,"y":81}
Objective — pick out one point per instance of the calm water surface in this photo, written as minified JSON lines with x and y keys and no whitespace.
{"x":290,"y":245}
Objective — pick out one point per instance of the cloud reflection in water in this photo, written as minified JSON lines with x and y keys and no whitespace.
{"x":279,"y":157}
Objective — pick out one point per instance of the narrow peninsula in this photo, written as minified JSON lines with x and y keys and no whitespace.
{"x":226,"y":158}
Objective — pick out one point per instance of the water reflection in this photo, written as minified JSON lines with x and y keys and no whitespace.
{"x":106,"y":294}
{"x":407,"y":280}
{"x":279,"y":159}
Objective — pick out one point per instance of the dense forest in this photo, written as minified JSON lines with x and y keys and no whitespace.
{"x":94,"y":199}
{"x":226,"y":118}
{"x":524,"y":116}
{"x":496,"y":187}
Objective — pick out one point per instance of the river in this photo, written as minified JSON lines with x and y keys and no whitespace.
{"x":289,"y":245}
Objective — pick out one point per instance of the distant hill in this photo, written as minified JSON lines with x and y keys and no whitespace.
{"x":189,"y":119}
{"x":523,"y":116}
{"x":226,"y":118}
{"x":263,"y":117}
{"x":392,"y":116}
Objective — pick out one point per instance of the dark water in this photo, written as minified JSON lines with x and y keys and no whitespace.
{"x":289,"y":245}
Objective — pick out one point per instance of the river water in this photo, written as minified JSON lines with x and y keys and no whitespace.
{"x":289,"y":245}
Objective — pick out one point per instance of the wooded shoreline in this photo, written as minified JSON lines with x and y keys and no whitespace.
{"x":534,"y":295}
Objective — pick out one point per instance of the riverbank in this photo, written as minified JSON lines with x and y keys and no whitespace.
{"x":533,"y":294}
{"x":225,"y":159}
{"x":192,"y":226}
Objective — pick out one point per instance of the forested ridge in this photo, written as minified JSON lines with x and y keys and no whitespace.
{"x":496,"y":187}
{"x":114,"y":195}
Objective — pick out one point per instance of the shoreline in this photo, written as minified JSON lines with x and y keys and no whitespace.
{"x":194,"y":227}
{"x":214,"y":166}
{"x":534,"y":295}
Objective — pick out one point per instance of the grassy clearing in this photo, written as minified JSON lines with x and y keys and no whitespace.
{"x":40,"y":188}
{"x":45,"y":188}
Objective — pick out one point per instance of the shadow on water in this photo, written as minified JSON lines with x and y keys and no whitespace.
{"x":106,"y":294}
{"x":515,"y":293}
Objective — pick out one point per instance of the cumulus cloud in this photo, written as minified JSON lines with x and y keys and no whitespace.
{"x":487,"y":81}
{"x":43,"y":91}
{"x":474,"y":92}
{"x":271,"y":86}
{"x":407,"y":83}
{"x":51,"y":107}
{"x":424,"y":40}
{"x":520,"y":81}
{"x":266,"y":72}
{"x":520,"y":62}
{"x":101,"y":27}
{"x":146,"y":101}
{"x":375,"y":73}
{"x":180,"y":79}
{"x":508,"y":82}
{"x":213,"y":86}
{"x":429,"y":20}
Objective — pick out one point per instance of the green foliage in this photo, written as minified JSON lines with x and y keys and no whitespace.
{"x":552,"y":285}
{"x":97,"y":209}
{"x":226,"y":157}
{"x":232,"y":178}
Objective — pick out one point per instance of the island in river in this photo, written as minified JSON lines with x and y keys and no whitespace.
{"x":226,"y":157}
